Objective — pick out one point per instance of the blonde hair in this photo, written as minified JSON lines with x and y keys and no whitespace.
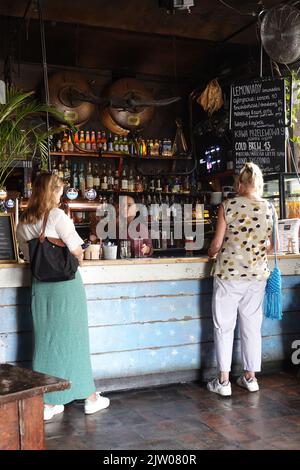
{"x":252,"y":177}
{"x":43,"y":197}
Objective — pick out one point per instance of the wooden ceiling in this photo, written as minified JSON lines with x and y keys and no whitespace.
{"x":209,"y":19}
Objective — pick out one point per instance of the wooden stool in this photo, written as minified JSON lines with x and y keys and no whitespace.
{"x":22,"y":406}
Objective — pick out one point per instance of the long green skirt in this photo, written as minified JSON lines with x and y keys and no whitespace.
{"x":59,"y":312}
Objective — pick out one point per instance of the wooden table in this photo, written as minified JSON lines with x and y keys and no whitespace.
{"x":22,"y":406}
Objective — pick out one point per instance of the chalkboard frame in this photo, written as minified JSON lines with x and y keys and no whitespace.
{"x":13,"y":239}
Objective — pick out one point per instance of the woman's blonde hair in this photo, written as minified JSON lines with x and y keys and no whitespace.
{"x":43,"y":197}
{"x":251,"y":176}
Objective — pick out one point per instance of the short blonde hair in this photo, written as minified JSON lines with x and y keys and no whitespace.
{"x":251,"y":176}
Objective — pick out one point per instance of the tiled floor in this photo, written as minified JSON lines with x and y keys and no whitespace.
{"x":186,"y":416}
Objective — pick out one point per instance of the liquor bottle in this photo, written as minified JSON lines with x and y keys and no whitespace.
{"x":93,"y":142}
{"x":124,"y":181}
{"x":58,"y":145}
{"x":131,"y":182}
{"x":67,"y":174}
{"x":88,"y":145}
{"x":160,"y":148}
{"x":70,"y":144}
{"x":96,"y":177}
{"x":110,"y":145}
{"x":116,"y":145}
{"x":110,"y":179}
{"x":75,"y":178}
{"x":60,"y":172}
{"x":144,"y":148}
{"x":65,"y":142}
{"x":104,"y":141}
{"x":82,"y":179}
{"x":131,"y":147}
{"x":121,"y":144}
{"x":76,"y":140}
{"x":116,"y":181}
{"x":103,"y":184}
{"x":81,"y":140}
{"x":54,"y":168}
{"x":138,"y":185}
{"x":89,"y":177}
{"x":140,"y":148}
{"x":99,"y":141}
{"x":125,"y":145}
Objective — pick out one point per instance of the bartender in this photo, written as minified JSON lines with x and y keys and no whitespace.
{"x":141,"y":246}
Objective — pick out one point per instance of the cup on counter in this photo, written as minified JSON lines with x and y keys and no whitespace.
{"x":92,"y":252}
{"x":189,"y":242}
{"x":110,"y":252}
{"x":125,"y":249}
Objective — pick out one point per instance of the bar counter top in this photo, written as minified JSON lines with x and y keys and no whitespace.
{"x":139,"y":270}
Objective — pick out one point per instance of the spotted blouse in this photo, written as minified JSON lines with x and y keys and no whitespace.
{"x":244,"y":250}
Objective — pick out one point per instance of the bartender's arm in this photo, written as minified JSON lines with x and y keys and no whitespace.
{"x":217,"y":241}
{"x":147,"y":248}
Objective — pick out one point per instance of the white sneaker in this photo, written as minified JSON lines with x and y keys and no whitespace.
{"x":223,"y":389}
{"x":251,"y":384}
{"x":100,"y":403}
{"x":50,"y":411}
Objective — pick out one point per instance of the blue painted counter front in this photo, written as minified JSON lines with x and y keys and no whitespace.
{"x":142,"y":329}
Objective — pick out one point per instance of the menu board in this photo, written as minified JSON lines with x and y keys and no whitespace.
{"x":258,"y":124}
{"x":8,"y":250}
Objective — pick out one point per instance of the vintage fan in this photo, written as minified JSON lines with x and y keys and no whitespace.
{"x":126,"y":106}
{"x":280,"y":33}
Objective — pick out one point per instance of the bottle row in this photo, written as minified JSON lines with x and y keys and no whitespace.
{"x":104,"y":177}
{"x":102,"y":142}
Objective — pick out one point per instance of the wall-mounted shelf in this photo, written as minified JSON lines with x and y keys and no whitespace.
{"x":116,"y":155}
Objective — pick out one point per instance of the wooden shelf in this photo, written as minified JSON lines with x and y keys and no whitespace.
{"x":116,"y":155}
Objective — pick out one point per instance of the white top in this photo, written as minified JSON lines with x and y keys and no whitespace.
{"x":59,"y":225}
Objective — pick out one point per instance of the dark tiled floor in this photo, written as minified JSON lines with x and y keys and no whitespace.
{"x":188,"y":417}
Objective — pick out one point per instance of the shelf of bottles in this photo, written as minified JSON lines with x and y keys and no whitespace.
{"x":108,"y":145}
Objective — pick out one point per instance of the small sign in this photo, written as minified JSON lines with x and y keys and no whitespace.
{"x":8,"y":245}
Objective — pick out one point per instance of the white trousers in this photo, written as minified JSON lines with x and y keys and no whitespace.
{"x":243,"y":298}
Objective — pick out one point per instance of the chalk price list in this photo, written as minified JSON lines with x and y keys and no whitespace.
{"x":258,"y":124}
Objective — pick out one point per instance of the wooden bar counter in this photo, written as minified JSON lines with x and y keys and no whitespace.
{"x":150,"y":320}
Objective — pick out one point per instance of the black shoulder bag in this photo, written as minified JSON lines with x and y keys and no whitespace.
{"x":50,"y":258}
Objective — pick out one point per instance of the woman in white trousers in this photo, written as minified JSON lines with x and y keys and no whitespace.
{"x":239,"y":248}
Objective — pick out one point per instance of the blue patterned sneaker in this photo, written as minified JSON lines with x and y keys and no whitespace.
{"x":223,"y":389}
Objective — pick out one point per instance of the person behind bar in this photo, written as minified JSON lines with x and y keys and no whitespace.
{"x":141,"y":246}
{"x":59,"y":309}
{"x":242,"y":240}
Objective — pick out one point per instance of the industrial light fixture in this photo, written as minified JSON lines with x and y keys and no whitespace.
{"x":172,"y":5}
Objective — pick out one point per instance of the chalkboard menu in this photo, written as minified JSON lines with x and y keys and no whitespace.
{"x":258,"y":124}
{"x":8,"y":249}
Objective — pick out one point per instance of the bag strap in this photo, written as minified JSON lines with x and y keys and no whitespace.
{"x":42,"y":234}
{"x":274,"y":234}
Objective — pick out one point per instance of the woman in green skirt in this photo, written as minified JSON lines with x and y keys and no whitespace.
{"x":59,"y":309}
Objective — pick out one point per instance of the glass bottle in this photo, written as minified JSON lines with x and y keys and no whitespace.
{"x":96,"y":178}
{"x":124,"y":181}
{"x":93,"y":142}
{"x":89,"y":177}
{"x":82,"y":140}
{"x":88,"y":145}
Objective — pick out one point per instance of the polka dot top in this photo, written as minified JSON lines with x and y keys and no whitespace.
{"x":244,"y":250}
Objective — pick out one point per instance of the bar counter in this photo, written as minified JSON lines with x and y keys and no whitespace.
{"x":150,"y":320}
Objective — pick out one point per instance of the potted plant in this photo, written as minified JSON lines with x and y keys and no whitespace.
{"x":23,"y":133}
